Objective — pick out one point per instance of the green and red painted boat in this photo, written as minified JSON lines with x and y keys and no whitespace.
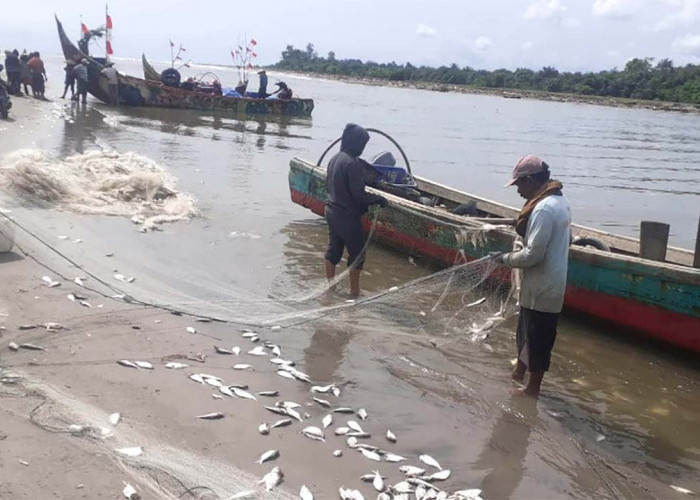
{"x":660,"y":300}
{"x":139,"y":92}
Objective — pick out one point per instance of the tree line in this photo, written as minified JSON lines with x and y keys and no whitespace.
{"x":640,"y":78}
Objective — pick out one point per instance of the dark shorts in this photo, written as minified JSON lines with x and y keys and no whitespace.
{"x":82,"y":86}
{"x":535,"y":336}
{"x":345,"y":231}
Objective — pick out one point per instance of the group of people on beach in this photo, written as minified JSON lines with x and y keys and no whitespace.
{"x":23,"y":71}
{"x":543,"y":225}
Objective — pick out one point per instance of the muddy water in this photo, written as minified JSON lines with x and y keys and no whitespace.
{"x":619,"y":416}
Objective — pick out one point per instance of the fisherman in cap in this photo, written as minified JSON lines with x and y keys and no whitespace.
{"x":110,"y":73}
{"x":544,"y":224}
{"x":262,"y":90}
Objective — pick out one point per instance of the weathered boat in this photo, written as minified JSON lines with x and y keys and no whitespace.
{"x":149,"y":72}
{"x":658,"y":299}
{"x":139,"y":92}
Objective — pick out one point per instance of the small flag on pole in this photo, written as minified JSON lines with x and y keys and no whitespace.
{"x":83,"y":29}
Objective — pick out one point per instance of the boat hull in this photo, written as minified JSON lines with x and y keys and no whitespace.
{"x":139,"y":92}
{"x":659,"y":300}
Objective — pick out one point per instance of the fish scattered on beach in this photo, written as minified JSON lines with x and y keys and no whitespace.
{"x":312,"y":432}
{"x":348,"y":494}
{"x":241,"y":366}
{"x":264,"y":429}
{"x":285,"y":374}
{"x":438,"y":476}
{"x":175,"y":366}
{"x":338,"y":453}
{"x":391,"y":457}
{"x":27,"y":327}
{"x":114,"y":418}
{"x":276,"y":328}
{"x":390,"y":436}
{"x":321,"y":388}
{"x":49,"y":282}
{"x":323,"y":402}
{"x":378,"y":482}
{"x":85,"y":303}
{"x":211,"y":416}
{"x":268,"y":456}
{"x":428,"y":460}
{"x":217,"y":396}
{"x":403,"y":487}
{"x":473,"y":494}
{"x":12,"y":346}
{"x":412,"y":470}
{"x":32,"y":347}
{"x":228,"y":392}
{"x":362,"y":413}
{"x":277,"y":410}
{"x":269,"y":394}
{"x":249,"y":334}
{"x":327,"y":421}
{"x":52,"y":327}
{"x":351,"y":442}
{"x":221,"y":350}
{"x":355,"y":426}
{"x":191,"y":329}
{"x":305,"y":493}
{"x":477,"y":302}
{"x":272,"y":478}
{"x":130,"y":492}
{"x":242,"y":393}
{"x":134,"y":451}
{"x":127,"y":363}
{"x":282,"y":423}
{"x":280,"y":361}
{"x":79,"y":281}
{"x":371,"y":455}
{"x":213,"y":382}
{"x":679,"y":489}
{"x":258,"y":351}
{"x":343,"y":409}
{"x":341,"y":431}
{"x":143,"y":364}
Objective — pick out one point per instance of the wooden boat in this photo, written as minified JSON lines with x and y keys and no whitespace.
{"x":149,"y":72}
{"x":658,"y":299}
{"x":139,"y":92}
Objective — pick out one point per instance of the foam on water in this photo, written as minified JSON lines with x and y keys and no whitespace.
{"x":98,"y":182}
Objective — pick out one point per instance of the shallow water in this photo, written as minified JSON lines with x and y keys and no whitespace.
{"x":611,"y":400}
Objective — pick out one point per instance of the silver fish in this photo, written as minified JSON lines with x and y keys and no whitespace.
{"x":327,"y":420}
{"x":71,"y":297}
{"x":51,"y":327}
{"x":355,"y":426}
{"x":236,"y":350}
{"x":144,"y":364}
{"x":305,"y":493}
{"x":264,"y":429}
{"x":175,"y":366}
{"x":130,"y":492}
{"x":221,"y":350}
{"x":228,"y":392}
{"x":217,"y":396}
{"x":439,"y":476}
{"x":211,"y":416}
{"x":472,"y":494}
{"x":390,"y":436}
{"x":411,"y":470}
{"x":384,"y":496}
{"x":294,"y":414}
{"x":278,"y":411}
{"x":14,"y":347}
{"x":282,"y":423}
{"x":272,"y":478}
{"x":242,"y":394}
{"x":360,"y":435}
{"x":130,"y":452}
{"x":679,"y":489}
{"x":126,"y":362}
{"x":241,"y":366}
{"x":275,"y":328}
{"x":321,"y":388}
{"x":314,"y":433}
{"x":130,"y":279}
{"x":258,"y":351}
{"x":197,"y":378}
{"x":285,"y":374}
{"x":351,"y":442}
{"x":202,"y":320}
{"x":338,"y":453}
{"x":280,"y":361}
{"x":428,"y":460}
{"x":362,"y":413}
{"x":341,"y":431}
{"x":368,"y":447}
{"x":442,"y":495}
{"x":85,"y":303}
{"x":49,"y":282}
{"x":249,"y":335}
{"x":336,"y":391}
{"x":79,"y":281}
{"x":191,"y":329}
{"x":32,"y":347}
{"x":114,"y":418}
{"x":276,"y":350}
{"x":402,"y":487}
{"x":323,"y":402}
{"x":477,"y":302}
{"x":343,"y":410}
{"x":27,"y":327}
{"x":119,"y":277}
{"x":239,"y":386}
{"x":391,"y":457}
{"x":288,"y":404}
{"x":378,"y":482}
{"x":267,"y":456}
{"x":269,"y":394}
{"x":213,"y":382}
{"x":370,"y":454}
{"x":348,"y":494}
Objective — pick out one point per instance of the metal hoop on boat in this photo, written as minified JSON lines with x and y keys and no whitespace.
{"x":391,"y":139}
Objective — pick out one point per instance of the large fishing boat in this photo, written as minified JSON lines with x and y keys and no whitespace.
{"x":611,"y":283}
{"x":139,"y":92}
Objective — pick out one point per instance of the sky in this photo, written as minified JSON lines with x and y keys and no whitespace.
{"x":571,"y":35}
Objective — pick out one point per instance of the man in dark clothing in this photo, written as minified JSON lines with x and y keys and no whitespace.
{"x":12,"y":68}
{"x":262,"y":90}
{"x":346,"y":201}
{"x":81,"y":77}
{"x":69,"y":82}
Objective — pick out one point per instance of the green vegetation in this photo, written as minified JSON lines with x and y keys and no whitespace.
{"x":640,"y":79}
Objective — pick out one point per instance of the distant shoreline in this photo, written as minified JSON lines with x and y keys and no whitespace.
{"x":616,"y":102}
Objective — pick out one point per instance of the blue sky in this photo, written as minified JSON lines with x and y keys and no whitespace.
{"x":568,"y":34}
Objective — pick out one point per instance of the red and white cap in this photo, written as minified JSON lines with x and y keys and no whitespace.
{"x":527,"y":165}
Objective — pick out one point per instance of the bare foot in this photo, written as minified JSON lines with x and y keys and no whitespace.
{"x":524,"y":392}
{"x":517,"y":376}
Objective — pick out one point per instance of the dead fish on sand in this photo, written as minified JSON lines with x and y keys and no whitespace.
{"x":282,"y":423}
{"x":438,"y":476}
{"x":79,"y":281}
{"x":390,"y":436}
{"x":679,"y":489}
{"x":221,"y":350}
{"x":211,"y":416}
{"x":49,"y":282}
{"x":243,"y":495}
{"x":269,"y":394}
{"x":343,"y":409}
{"x":258,"y":351}
{"x":52,"y":327}
{"x":473,"y":494}
{"x":305,"y":493}
{"x":391,"y":457}
{"x":267,"y":456}
{"x":241,"y":366}
{"x":411,"y":470}
{"x":428,"y":460}
{"x":130,"y":452}
{"x":477,"y":302}
{"x":27,"y":327}
{"x":323,"y":402}
{"x":322,"y":388}
{"x":14,"y":347}
{"x":249,"y":334}
{"x":272,"y":478}
{"x":327,"y":421}
{"x":175,"y":366}
{"x":191,"y":329}
{"x":355,"y":426}
{"x":242,"y":394}
{"x":372,"y":455}
{"x":32,"y":347}
{"x":338,"y":453}
{"x":143,"y":364}
{"x":285,"y":374}
{"x":114,"y":418}
{"x":348,"y":494}
{"x":312,"y":432}
{"x":130,"y":492}
{"x":127,"y":363}
{"x":264,"y":429}
{"x":378,"y":482}
{"x":362,"y":413}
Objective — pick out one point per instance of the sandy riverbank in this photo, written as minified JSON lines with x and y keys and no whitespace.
{"x":617,"y":102}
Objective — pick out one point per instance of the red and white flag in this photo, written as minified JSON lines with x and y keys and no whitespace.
{"x":83,"y":29}
{"x":108,"y":34}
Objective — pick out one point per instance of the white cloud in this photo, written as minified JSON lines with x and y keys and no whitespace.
{"x":528,"y":45}
{"x":545,"y":9}
{"x":683,"y":13}
{"x":482,"y":44}
{"x":426,"y":31}
{"x":689,"y":44}
{"x":614,"y":8}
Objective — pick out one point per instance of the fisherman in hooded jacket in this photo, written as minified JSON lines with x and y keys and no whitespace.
{"x":346,"y":201}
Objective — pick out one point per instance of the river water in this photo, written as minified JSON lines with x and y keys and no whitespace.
{"x":613,"y":405}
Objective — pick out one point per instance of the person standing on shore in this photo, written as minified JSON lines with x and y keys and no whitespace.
{"x":69,"y":82}
{"x":12,"y":68}
{"x":545,"y":225}
{"x":81,"y":77}
{"x":346,"y":201}
{"x":110,"y":73}
{"x":38,"y":72}
{"x":25,"y":75}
